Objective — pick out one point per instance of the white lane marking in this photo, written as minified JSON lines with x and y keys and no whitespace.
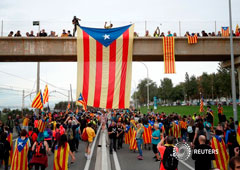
{"x":184,"y":163}
{"x":104,"y":152}
{"x":116,"y":162}
{"x":87,"y":165}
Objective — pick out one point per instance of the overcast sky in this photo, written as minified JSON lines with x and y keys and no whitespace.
{"x":194,"y":16}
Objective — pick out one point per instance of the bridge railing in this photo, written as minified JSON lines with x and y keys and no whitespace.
{"x":178,"y":27}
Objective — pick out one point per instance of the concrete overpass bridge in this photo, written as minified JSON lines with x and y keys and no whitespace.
{"x":32,"y":49}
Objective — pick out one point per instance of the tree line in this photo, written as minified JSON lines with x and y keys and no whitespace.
{"x":209,"y":86}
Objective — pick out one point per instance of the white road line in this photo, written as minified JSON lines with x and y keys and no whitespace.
{"x":104,"y":152}
{"x":87,"y":165}
{"x":184,"y":163}
{"x":116,"y":162}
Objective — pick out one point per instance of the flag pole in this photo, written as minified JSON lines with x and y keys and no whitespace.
{"x":232,"y":68}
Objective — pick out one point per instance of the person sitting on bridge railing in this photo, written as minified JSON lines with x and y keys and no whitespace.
{"x":157,"y":32}
{"x":219,"y":34}
{"x":175,"y":34}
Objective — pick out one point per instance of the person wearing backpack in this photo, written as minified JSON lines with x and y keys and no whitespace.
{"x":32,"y":136}
{"x":4,"y":149}
{"x":231,"y":140}
{"x":69,"y":134}
{"x":168,"y":159}
{"x":190,"y":129}
{"x":40,"y":149}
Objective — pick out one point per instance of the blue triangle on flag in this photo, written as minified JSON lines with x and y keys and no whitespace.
{"x":105,"y":36}
{"x":225,"y":28}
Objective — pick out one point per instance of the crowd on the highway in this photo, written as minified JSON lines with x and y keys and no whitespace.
{"x":59,"y":133}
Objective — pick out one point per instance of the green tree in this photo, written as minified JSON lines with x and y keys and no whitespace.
{"x":141,"y":93}
{"x":166,"y":90}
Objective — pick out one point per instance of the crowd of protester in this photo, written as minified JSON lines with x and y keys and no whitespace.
{"x":61,"y":132}
{"x":156,"y":33}
{"x":159,"y":132}
{"x":38,"y":137}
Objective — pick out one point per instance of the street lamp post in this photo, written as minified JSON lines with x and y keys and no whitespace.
{"x":147,"y":84}
{"x":232,"y":67}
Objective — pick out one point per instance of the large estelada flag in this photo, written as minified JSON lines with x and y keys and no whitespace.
{"x":169,"y":55}
{"x":105,"y":66}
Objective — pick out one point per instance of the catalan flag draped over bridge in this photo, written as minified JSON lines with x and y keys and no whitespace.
{"x":105,"y":66}
{"x":169,"y":55}
{"x":192,"y":39}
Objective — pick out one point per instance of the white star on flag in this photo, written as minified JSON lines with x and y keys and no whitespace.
{"x":106,"y":36}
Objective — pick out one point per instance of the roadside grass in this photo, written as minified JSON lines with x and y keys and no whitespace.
{"x":190,"y":110}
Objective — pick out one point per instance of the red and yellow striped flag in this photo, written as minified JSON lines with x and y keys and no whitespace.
{"x":38,"y":101}
{"x":45,"y":95}
{"x":169,"y":55}
{"x":41,"y":125}
{"x":61,"y":157}
{"x":9,"y":139}
{"x":222,"y":157}
{"x":105,"y":66}
{"x":225,"y":31}
{"x":192,"y":39}
{"x":201,"y":105}
{"x":238,"y":133}
{"x":147,"y":134}
{"x":133,"y":141}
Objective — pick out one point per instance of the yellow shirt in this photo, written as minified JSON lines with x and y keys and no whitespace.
{"x":91,"y":134}
{"x":25,"y":121}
